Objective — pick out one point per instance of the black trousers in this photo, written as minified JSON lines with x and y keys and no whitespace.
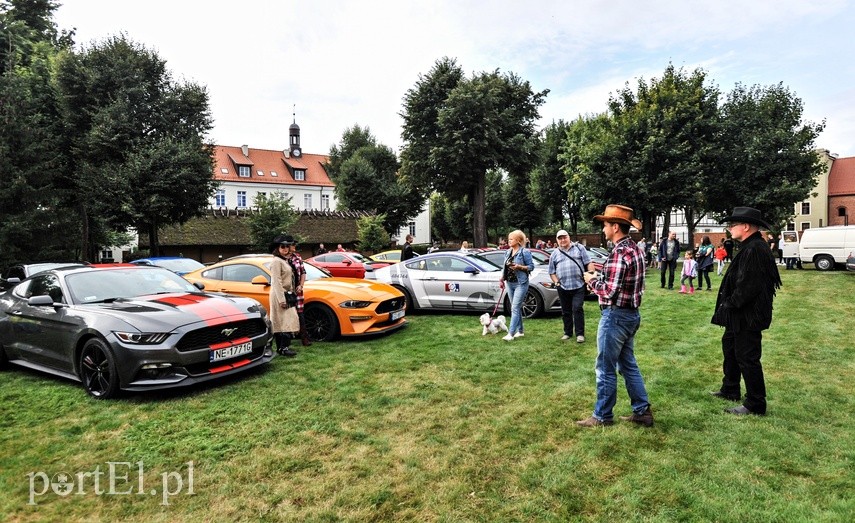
{"x":670,"y":266}
{"x":704,"y":274}
{"x":573,"y":310}
{"x":742,"y":351}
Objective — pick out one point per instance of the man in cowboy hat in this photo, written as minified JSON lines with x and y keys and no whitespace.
{"x":744,"y":309}
{"x":619,"y":293}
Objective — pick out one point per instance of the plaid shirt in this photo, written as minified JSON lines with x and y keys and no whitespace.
{"x":568,"y":272}
{"x":296,"y":262}
{"x":623,"y":276}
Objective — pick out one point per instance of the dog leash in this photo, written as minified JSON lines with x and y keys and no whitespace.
{"x":496,"y":308}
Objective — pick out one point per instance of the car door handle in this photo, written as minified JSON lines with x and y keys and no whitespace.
{"x":16,"y":313}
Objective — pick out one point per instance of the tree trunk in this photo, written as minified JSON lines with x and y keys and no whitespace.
{"x":85,"y":251}
{"x":666,"y":225}
{"x":153,"y":240}
{"x":479,"y":200}
{"x":690,"y":237}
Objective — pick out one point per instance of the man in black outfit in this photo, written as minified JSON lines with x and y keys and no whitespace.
{"x":744,"y":309}
{"x":669,"y":252}
{"x":407,"y":249}
{"x":728,"y":248}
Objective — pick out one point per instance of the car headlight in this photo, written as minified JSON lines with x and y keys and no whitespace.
{"x":354,"y":304}
{"x":142,"y":338}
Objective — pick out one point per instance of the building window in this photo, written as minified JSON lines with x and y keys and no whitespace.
{"x":325,"y":202}
{"x":259,"y":172}
{"x":273,"y":173}
{"x":241,"y":200}
{"x":791,"y":226}
{"x":220,"y":198}
{"x":841,"y":211}
{"x":299,"y":174}
{"x":243,"y":171}
{"x":107,"y":255}
{"x":307,"y":201}
{"x":224,"y":170}
{"x":412,"y":226}
{"x":805,"y":226}
{"x":805,"y":207}
{"x":259,"y":195}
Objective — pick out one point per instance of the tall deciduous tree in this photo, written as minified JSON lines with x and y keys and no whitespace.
{"x":135,"y":141}
{"x":457,"y":129}
{"x":767,"y":154}
{"x":366,"y":178}
{"x":548,"y":184}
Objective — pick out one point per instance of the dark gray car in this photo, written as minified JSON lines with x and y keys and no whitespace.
{"x":129,"y":328}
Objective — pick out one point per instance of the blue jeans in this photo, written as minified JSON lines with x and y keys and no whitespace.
{"x":615,"y":340}
{"x":516,"y":293}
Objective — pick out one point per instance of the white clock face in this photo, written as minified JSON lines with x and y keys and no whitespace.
{"x":296,"y":152}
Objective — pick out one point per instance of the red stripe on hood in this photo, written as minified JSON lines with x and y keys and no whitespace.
{"x":212,"y":311}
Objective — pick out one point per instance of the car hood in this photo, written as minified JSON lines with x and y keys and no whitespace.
{"x":165,"y":312}
{"x":354,"y":288}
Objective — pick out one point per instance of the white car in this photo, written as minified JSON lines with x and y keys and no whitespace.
{"x":457,"y":281}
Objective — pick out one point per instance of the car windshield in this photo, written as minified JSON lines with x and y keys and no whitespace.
{"x":358,"y":257}
{"x":105,"y":285}
{"x":179,"y":264}
{"x":483,"y":264}
{"x":314,"y":273}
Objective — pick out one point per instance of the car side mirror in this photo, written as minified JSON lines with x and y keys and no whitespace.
{"x":43,"y":300}
{"x":260,"y":280}
{"x":348,"y":262}
{"x":471,"y":270}
{"x":199,"y":285}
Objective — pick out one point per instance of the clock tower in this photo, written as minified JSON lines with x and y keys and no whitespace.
{"x":294,"y":136}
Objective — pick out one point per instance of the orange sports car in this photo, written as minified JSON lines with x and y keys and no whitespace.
{"x":333,"y":306}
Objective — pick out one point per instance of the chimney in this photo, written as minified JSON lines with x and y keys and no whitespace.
{"x":245,"y":150}
{"x":287,"y":153}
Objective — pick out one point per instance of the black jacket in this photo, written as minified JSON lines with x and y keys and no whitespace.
{"x":745,"y":296}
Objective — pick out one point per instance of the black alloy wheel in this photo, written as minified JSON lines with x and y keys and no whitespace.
{"x":98,"y":370}
{"x":532,"y":305}
{"x":321,"y":323}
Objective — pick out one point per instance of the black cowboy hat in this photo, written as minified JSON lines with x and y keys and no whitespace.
{"x":282,"y":239}
{"x":746,"y":215}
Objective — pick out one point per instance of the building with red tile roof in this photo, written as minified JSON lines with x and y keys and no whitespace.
{"x":841,"y":192}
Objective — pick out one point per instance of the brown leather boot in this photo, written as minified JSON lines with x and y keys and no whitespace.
{"x":305,"y":338}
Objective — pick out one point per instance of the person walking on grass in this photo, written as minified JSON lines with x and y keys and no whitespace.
{"x":567,"y":264}
{"x":669,"y":251}
{"x":744,"y":308}
{"x":619,"y":292}
{"x":284,"y":321}
{"x":690,"y":272}
{"x":704,"y":258}
{"x":518,"y":265}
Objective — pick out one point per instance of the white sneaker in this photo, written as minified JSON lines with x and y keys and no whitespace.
{"x":519,"y":335}
{"x":508,"y":338}
{"x":580,"y":339}
{"x":565,"y":337}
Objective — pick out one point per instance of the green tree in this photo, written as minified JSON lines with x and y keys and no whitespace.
{"x":767,"y":153}
{"x":274,"y":216}
{"x":366,"y":178}
{"x":135,"y":141}
{"x":548,"y":184}
{"x":372,"y":236}
{"x":456,"y":130}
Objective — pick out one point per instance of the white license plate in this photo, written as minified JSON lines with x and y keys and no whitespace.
{"x":396,"y":315}
{"x":231,"y":352}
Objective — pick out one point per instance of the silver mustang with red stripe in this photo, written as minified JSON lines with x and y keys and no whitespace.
{"x":129,"y":328}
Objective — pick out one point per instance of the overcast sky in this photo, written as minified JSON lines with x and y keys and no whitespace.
{"x":343,"y":62}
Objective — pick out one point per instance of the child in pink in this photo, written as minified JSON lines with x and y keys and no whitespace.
{"x":690,"y":272}
{"x":720,"y":254}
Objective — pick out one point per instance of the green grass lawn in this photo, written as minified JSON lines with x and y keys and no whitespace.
{"x":437,"y":423}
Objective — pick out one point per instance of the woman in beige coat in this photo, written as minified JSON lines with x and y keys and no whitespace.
{"x":283,"y":317}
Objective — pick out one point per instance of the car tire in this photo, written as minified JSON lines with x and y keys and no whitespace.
{"x":824,"y":263}
{"x":532,"y":306}
{"x":321,"y":323}
{"x":408,"y":297}
{"x":98,"y":370}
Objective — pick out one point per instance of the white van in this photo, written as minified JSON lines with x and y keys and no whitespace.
{"x":825,"y":247}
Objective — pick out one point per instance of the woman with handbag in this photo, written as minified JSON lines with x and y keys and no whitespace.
{"x":704,"y":257}
{"x":283,"y":311}
{"x":518,"y":265}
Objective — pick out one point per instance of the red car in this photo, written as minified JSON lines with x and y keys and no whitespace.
{"x":347,"y":264}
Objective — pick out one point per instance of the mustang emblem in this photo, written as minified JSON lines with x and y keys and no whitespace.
{"x":228,"y":332}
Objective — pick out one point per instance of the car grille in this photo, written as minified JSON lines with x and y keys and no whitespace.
{"x":394,"y":304}
{"x":204,"y":338}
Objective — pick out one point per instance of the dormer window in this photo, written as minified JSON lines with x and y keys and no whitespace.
{"x":243,"y":171}
{"x":299,"y":174}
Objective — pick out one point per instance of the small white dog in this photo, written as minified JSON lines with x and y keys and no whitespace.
{"x":493,"y":326}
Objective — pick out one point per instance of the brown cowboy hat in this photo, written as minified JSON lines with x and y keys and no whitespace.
{"x":618,"y":214}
